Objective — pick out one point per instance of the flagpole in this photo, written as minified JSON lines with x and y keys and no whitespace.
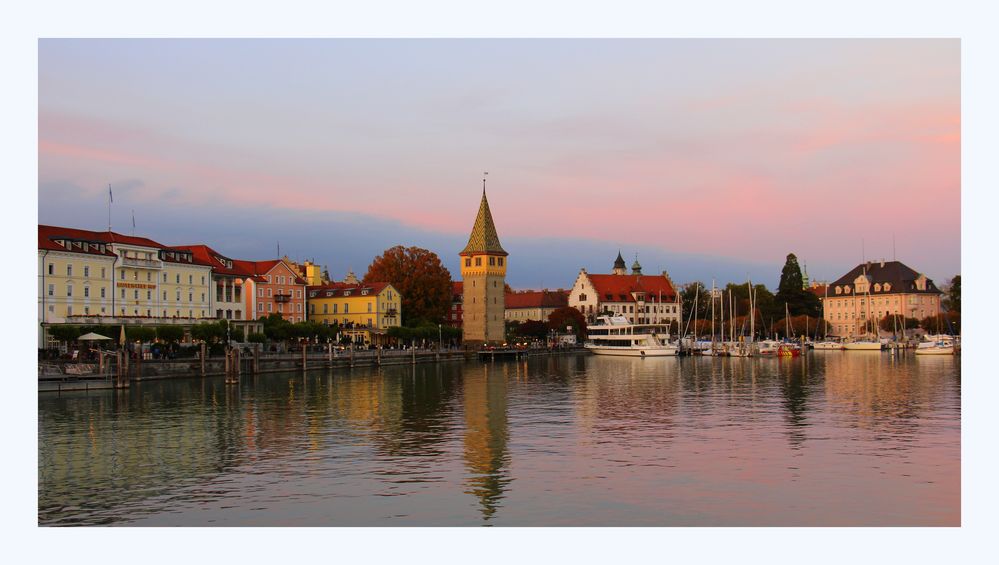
{"x":110,"y":200}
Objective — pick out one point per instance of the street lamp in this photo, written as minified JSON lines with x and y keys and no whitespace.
{"x":440,"y":338}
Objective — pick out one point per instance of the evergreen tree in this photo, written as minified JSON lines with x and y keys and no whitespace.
{"x":791,"y":291}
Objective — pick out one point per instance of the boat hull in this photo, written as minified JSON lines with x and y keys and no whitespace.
{"x":862,"y":346}
{"x":823,"y":346}
{"x":632,"y":352}
{"x":935,"y":351}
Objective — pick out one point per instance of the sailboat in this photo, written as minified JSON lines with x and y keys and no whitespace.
{"x":866,"y":343}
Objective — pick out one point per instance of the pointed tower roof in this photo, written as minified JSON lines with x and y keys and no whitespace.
{"x":484,"y":238}
{"x":619,"y":262}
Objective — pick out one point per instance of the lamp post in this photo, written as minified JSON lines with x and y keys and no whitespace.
{"x":440,"y":338}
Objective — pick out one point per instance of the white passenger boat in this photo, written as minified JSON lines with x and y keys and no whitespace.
{"x":615,"y":335}
{"x":827,"y":345}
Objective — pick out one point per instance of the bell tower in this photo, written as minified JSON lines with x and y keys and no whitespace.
{"x":483,"y":273}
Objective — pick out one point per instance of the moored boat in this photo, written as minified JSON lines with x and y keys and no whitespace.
{"x":615,"y":335}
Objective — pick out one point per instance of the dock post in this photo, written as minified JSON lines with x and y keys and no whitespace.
{"x":351,"y":354}
{"x":239,"y":365}
{"x":138,"y":364}
{"x":305,"y":349}
{"x":202,"y":358}
{"x":228,"y":361}
{"x":329,"y":353}
{"x":378,"y":356}
{"x":256,"y":358}
{"x":414,"y":356}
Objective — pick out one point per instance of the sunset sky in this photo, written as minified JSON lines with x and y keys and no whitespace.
{"x":707,"y":158}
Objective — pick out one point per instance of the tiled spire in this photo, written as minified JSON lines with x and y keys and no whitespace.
{"x":483,"y":238}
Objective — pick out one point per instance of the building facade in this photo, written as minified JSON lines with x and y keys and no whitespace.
{"x":455,"y":314}
{"x":534,"y":305}
{"x":89,"y":277}
{"x":483,"y":274}
{"x":642,"y":299}
{"x":275,"y":287}
{"x":857,"y":301}
{"x":364,"y":311}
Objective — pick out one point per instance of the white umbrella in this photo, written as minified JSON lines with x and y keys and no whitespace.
{"x":92,"y":337}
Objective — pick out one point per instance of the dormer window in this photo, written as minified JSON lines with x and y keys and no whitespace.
{"x":364,"y":292}
{"x":846,"y":289}
{"x":877,"y":287}
{"x":887,"y":287}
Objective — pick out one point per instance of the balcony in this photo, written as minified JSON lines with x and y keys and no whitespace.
{"x":392,"y":312}
{"x":282,"y":298}
{"x":141,"y":263}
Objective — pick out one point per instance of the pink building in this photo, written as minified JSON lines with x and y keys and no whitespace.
{"x":274,"y":287}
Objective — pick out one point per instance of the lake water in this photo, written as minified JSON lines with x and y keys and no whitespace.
{"x":832,"y":438}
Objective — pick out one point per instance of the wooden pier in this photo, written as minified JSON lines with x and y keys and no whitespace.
{"x":507,"y":353}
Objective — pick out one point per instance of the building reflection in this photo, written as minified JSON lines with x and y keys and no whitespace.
{"x":486,"y":457}
{"x":794,"y":387}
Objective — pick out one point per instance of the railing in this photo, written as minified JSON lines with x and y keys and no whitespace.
{"x":282,"y":297}
{"x":146,"y":263}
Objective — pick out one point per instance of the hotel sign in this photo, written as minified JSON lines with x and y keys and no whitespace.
{"x":135,"y":285}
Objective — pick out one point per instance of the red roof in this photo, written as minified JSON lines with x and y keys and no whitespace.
{"x":457,"y":288}
{"x":537,"y":299}
{"x":619,"y":288}
{"x":333,"y":290}
{"x":205,"y":255}
{"x":46,"y":235}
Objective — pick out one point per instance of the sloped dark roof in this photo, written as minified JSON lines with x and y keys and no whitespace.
{"x":621,"y":287}
{"x":901,"y":278}
{"x":483,"y":238}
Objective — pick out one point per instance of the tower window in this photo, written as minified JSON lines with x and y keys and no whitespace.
{"x":478,"y":261}
{"x":500,"y":261}
{"x":492,"y":261}
{"x":468,"y":262}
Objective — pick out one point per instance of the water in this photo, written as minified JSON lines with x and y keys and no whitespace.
{"x":837,"y":438}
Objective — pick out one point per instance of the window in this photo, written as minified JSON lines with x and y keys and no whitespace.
{"x":103,"y":272}
{"x":135,"y":294}
{"x":298,"y":293}
{"x":190,"y":297}
{"x":178,"y":280}
{"x":69,"y":310}
{"x":202,"y":279}
{"x":298,"y":307}
{"x":149,"y":313}
{"x":51,"y":269}
{"x":346,"y":308}
{"x":260,"y":292}
{"x":51,"y":290}
{"x":202,"y":297}
{"x":178,"y":297}
{"x":122,"y":277}
{"x":190,"y":279}
{"x":135,"y":275}
{"x":123,"y":293}
{"x":369,"y":307}
{"x":164,"y":295}
{"x":478,"y":261}
{"x":326,"y":308}
{"x":269,"y":294}
{"x":164,"y":280}
{"x":149,"y":295}
{"x":86,"y":310}
{"x":86,"y":271}
{"x":102,"y":292}
{"x":86,"y":292}
{"x":500,"y":261}
{"x":468,"y":261}
{"x":335,"y":307}
{"x":492,"y":261}
{"x":260,"y":306}
{"x":270,"y":306}
{"x":281,"y":307}
{"x":69,"y":270}
{"x":149,"y":276}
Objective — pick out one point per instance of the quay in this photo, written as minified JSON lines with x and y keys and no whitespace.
{"x":53,"y":377}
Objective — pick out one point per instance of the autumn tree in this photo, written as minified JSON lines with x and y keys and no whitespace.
{"x":566,"y":316}
{"x":421,"y":279}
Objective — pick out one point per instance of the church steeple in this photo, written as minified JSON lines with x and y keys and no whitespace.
{"x":620,"y":268}
{"x":483,"y":238}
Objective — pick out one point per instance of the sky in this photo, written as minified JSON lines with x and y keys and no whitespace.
{"x":709,"y":159}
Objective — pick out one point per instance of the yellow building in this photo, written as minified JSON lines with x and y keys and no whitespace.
{"x":364,"y":311}
{"x":88,"y":277}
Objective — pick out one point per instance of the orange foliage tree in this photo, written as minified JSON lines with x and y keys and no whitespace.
{"x":420,"y":277}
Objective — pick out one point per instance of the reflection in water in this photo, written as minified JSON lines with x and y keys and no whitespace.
{"x":485,"y":435}
{"x":835,"y":438}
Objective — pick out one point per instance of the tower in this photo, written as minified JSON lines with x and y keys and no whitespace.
{"x":483,"y":273}
{"x":619,"y":266}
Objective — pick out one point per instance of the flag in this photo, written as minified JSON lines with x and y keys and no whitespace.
{"x":133,"y":222}
{"x":122,"y":340}
{"x":110,"y":194}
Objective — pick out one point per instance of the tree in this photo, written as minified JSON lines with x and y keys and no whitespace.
{"x":421,"y":279}
{"x":140,"y":333}
{"x":170,"y":334}
{"x":693,"y":294}
{"x":791,"y":291}
{"x":209,"y":332}
{"x":534,"y":328}
{"x":255,"y":337}
{"x":952,"y":294}
{"x":65,"y":333}
{"x":566,"y":316}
